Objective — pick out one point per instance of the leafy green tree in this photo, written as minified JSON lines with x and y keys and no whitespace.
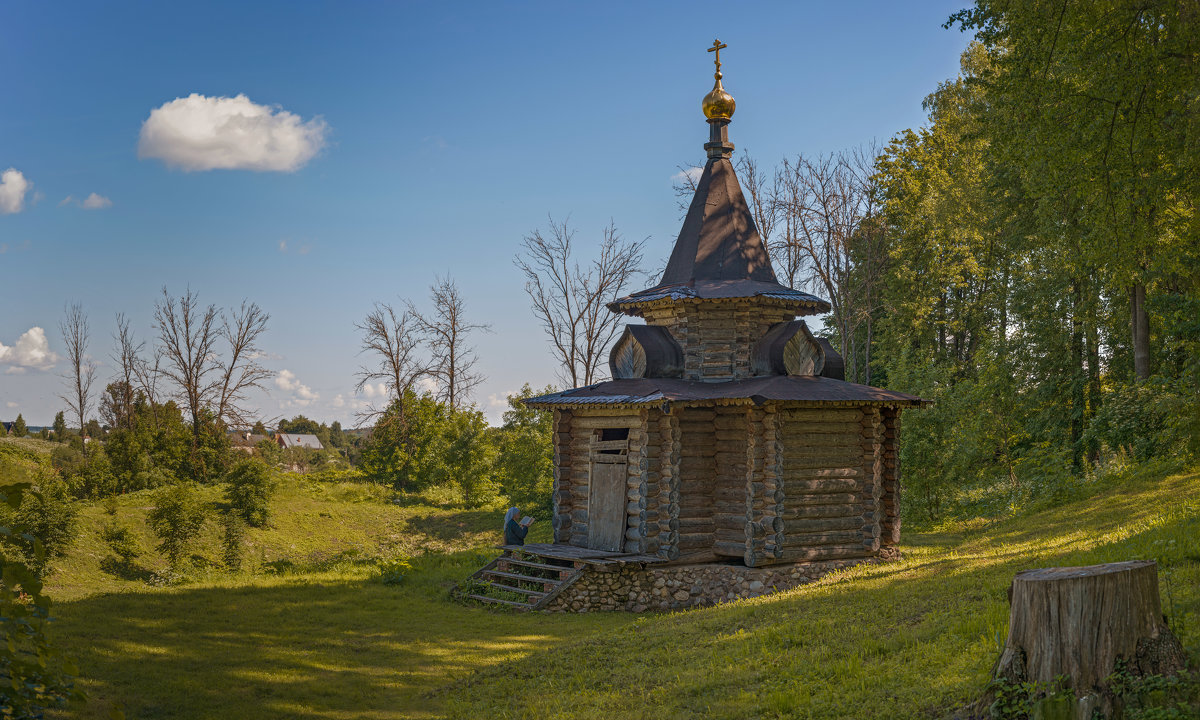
{"x":19,"y":429}
{"x":176,"y":518}
{"x":469,"y":457}
{"x":251,"y":484}
{"x":525,"y":453}
{"x":60,"y":427}
{"x":37,"y":674}
{"x":259,"y":428}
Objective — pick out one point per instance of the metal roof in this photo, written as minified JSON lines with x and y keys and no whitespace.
{"x":299,"y":440}
{"x":756,"y":391}
{"x":719,"y":253}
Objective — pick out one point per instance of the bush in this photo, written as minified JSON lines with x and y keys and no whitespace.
{"x":120,"y":543}
{"x":36,"y":675}
{"x":1145,"y":420}
{"x":48,"y":516}
{"x":231,"y":540}
{"x":176,"y":519}
{"x":251,"y":484}
{"x":393,"y":570}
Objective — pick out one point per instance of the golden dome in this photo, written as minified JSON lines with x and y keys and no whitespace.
{"x":718,"y":103}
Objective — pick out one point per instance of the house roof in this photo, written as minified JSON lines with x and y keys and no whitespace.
{"x":299,"y":440}
{"x":719,"y":253}
{"x":799,"y":389}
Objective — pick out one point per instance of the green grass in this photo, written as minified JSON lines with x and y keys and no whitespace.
{"x":308,"y":630}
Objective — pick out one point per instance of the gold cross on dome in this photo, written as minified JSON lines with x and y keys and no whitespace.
{"x":716,"y":48}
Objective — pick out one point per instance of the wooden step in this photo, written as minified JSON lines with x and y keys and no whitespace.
{"x":522,"y":578}
{"x":514,"y":589}
{"x":486,"y":599}
{"x":539,"y":566}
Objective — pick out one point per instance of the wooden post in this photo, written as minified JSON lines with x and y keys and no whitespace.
{"x":1077,"y":621}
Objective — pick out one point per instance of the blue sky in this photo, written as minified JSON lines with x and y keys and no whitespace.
{"x":438,"y":135}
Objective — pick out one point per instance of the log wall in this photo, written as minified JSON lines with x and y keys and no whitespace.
{"x":697,"y":483}
{"x":830,"y":466}
{"x":717,"y":336}
{"x":731,"y":503}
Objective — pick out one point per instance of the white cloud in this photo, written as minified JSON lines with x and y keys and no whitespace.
{"x":30,"y":351}
{"x":95,"y":202}
{"x":375,"y":391}
{"x":426,"y":385}
{"x":229,"y":133}
{"x":11,"y":405}
{"x":690,"y":174}
{"x":66,"y":201}
{"x":339,"y":401}
{"x":301,"y":394}
{"x":13,"y":187}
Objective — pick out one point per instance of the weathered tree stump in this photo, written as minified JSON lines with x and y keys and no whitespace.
{"x":1078,"y":621}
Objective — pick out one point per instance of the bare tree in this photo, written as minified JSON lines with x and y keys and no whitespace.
{"x":445,"y":331}
{"x":187,"y":337}
{"x":239,"y":370}
{"x":571,"y":302}
{"x":828,"y":206}
{"x":76,"y":334}
{"x":116,"y":408}
{"x":190,"y":338}
{"x":391,"y":338}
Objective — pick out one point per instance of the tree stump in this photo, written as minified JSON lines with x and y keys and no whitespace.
{"x":1077,"y":621}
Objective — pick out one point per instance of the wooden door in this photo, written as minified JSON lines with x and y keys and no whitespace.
{"x":606,"y":495}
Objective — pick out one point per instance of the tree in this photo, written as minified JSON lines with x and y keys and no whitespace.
{"x":570,"y":300}
{"x":259,"y":428}
{"x":392,"y":339}
{"x":525,"y":457}
{"x":446,"y":332}
{"x":176,"y":518}
{"x":126,"y":357}
{"x":60,"y":427}
{"x":19,"y":429}
{"x":251,"y":484}
{"x":213,"y":384}
{"x":82,"y":371}
{"x":824,"y":204}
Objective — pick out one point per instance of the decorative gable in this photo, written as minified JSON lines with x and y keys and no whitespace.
{"x":789,"y":348}
{"x":645,"y":351}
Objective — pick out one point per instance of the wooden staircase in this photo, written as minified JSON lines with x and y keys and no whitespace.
{"x":522,"y":579}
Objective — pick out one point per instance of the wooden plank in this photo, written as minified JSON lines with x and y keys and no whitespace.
{"x":602,"y":458}
{"x":609,"y":444}
{"x":824,"y":485}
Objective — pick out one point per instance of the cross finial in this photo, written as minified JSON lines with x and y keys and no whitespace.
{"x":716,"y":48}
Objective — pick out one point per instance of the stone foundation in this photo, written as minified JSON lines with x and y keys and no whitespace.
{"x":654,"y":587}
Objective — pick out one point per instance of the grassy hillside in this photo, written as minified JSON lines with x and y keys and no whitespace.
{"x":308,"y":630}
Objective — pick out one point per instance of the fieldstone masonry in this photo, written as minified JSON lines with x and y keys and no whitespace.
{"x":634,"y":588}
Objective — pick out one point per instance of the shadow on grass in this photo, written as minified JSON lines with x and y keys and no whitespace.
{"x":303,"y":649}
{"x":126,"y":569}
{"x":452,"y":527}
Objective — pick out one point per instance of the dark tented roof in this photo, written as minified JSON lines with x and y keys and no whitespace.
{"x":758,"y":390}
{"x":719,"y":253}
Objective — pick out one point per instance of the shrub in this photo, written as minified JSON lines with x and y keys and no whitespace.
{"x":36,"y":674}
{"x":251,"y":484}
{"x":120,"y":543}
{"x":1145,"y":420}
{"x":393,"y":570}
{"x":231,"y":540}
{"x":48,"y":516}
{"x":176,"y":519}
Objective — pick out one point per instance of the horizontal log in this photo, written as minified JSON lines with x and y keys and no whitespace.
{"x":605,"y":422}
{"x":793,"y":464}
{"x":824,"y":428}
{"x":847,"y":500}
{"x":837,"y":510}
{"x":820,"y":485}
{"x":729,"y":548}
{"x":703,"y":523}
{"x":803,"y":474}
{"x":808,"y":539}
{"x":730,"y":421}
{"x":823,"y":415}
{"x":799,"y":526}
